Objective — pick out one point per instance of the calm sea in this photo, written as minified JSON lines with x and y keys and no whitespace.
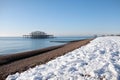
{"x":10,"y":45}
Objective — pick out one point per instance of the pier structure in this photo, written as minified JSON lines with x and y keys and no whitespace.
{"x":38,"y":34}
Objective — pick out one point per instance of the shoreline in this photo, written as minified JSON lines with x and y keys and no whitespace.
{"x":24,"y":63}
{"x":6,"y":59}
{"x":67,"y":41}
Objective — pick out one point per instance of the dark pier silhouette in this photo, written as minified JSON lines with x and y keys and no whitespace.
{"x":38,"y":34}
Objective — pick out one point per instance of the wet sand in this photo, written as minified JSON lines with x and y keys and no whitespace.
{"x":23,"y":61}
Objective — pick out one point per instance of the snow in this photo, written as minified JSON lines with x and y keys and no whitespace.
{"x":98,"y":60}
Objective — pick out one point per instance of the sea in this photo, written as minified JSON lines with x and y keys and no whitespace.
{"x":14,"y":45}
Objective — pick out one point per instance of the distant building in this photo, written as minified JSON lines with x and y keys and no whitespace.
{"x":38,"y":34}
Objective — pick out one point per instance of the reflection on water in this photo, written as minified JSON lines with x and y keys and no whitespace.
{"x":10,"y":45}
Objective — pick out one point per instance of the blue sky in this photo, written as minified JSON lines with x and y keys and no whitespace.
{"x":59,"y":17}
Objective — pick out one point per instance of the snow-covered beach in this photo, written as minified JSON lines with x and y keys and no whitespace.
{"x":98,"y":60}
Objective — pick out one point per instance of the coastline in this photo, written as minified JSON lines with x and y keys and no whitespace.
{"x":6,"y":59}
{"x":37,"y":58}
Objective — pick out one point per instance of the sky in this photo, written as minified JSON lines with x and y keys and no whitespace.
{"x":59,"y":17}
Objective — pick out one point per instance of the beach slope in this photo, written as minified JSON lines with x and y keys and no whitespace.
{"x":20,"y":65}
{"x":98,"y":60}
